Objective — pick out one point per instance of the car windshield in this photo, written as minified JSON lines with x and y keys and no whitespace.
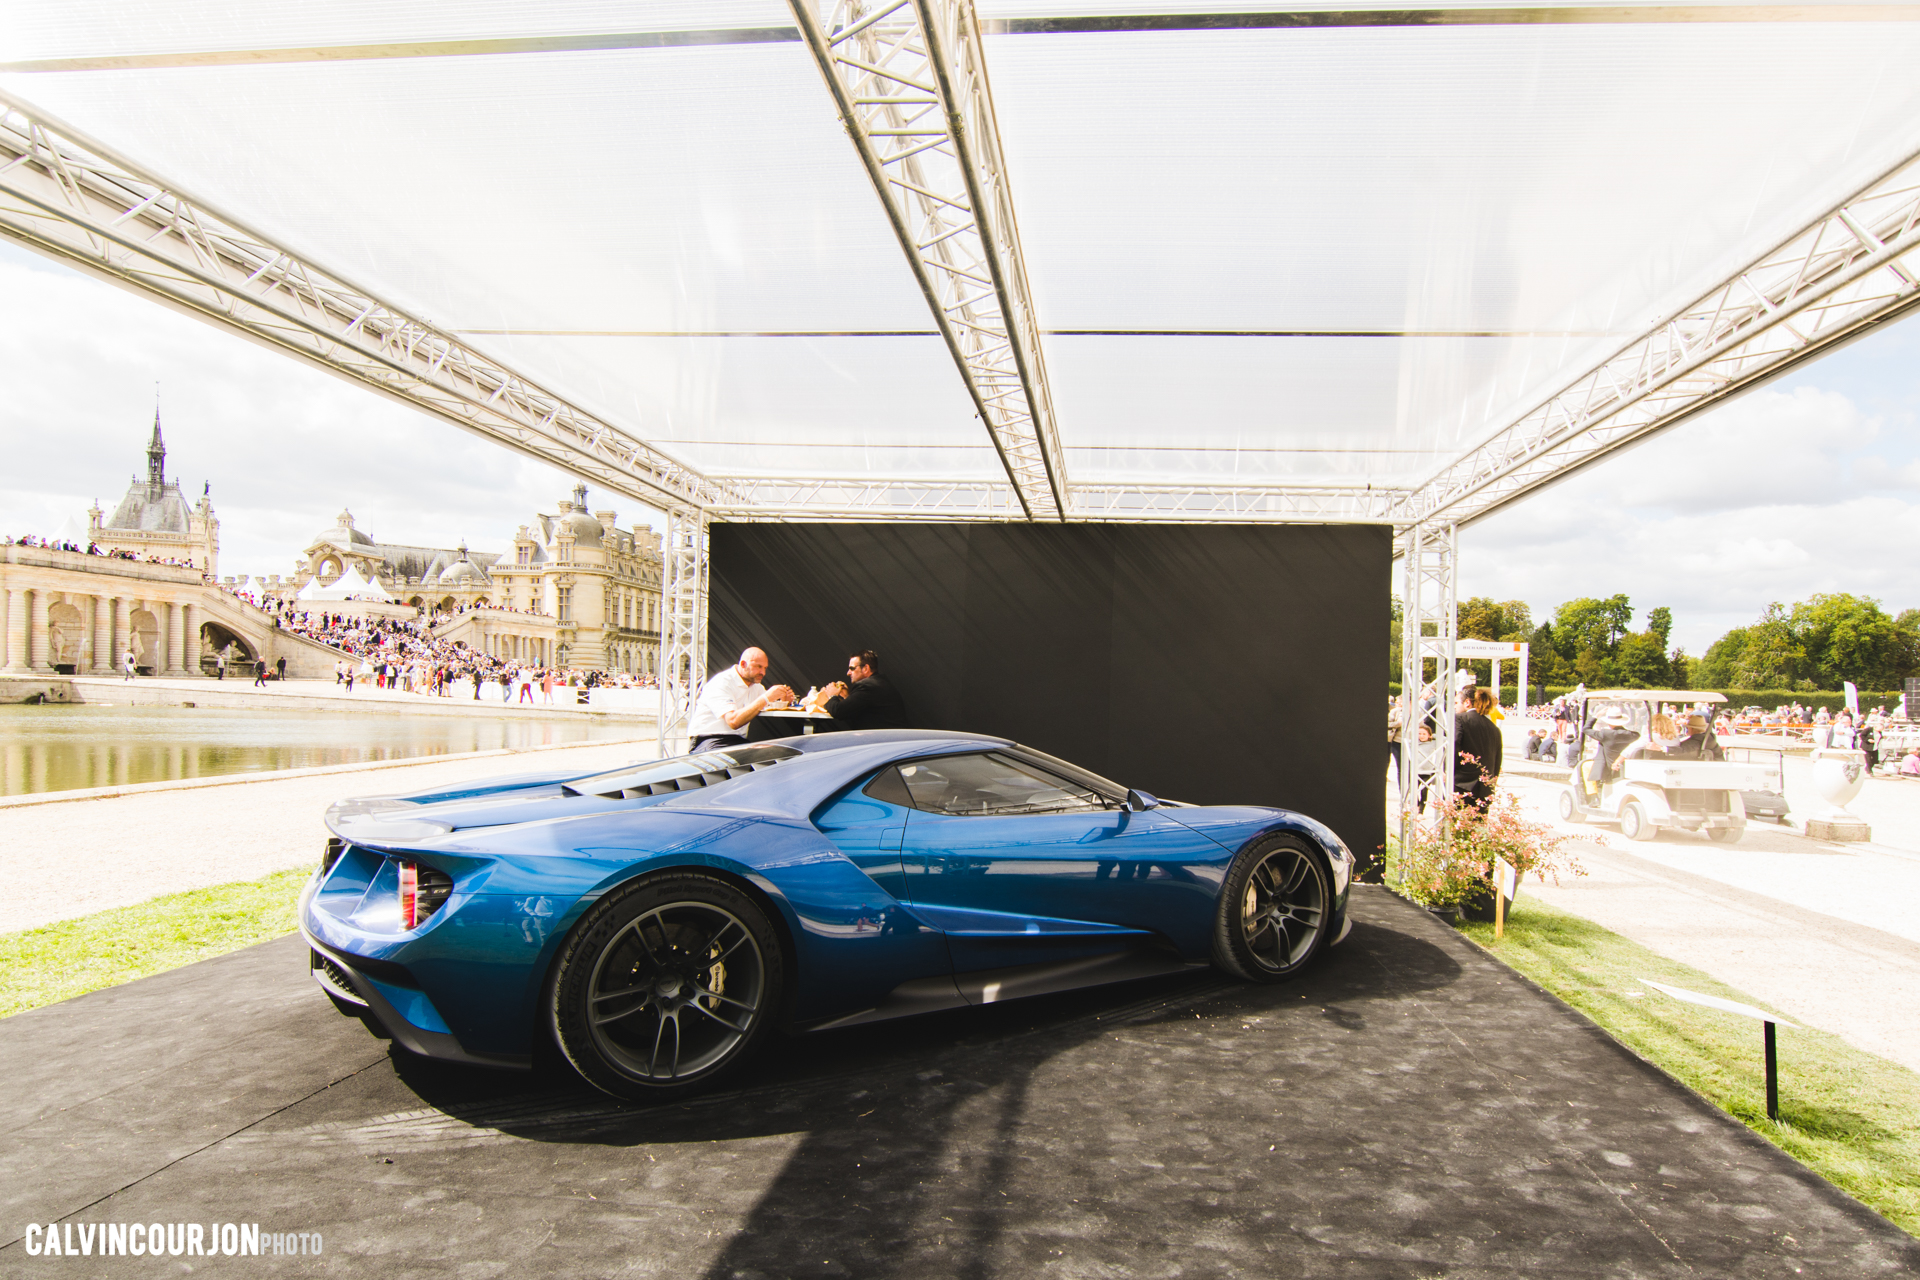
{"x":1074,"y":773}
{"x":682,"y":773}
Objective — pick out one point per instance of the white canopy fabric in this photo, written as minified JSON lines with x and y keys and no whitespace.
{"x":349,"y":585}
{"x":1325,"y":250}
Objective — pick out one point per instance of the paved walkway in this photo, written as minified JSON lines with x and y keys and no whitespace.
{"x":61,"y":858}
{"x":1405,"y":1109}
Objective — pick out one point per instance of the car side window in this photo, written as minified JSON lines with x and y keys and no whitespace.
{"x":886,"y":786}
{"x":991,"y":785}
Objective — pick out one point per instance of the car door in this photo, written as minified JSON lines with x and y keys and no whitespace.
{"x":1019,"y":865}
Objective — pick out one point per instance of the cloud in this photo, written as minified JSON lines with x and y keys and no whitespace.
{"x":284,"y":446}
{"x":1714,"y":569}
{"x":1771,"y":446}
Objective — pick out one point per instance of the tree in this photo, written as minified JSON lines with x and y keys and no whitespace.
{"x":1845,"y":637}
{"x":1772,"y":657}
{"x":1681,"y":667}
{"x":1718,"y":668}
{"x":1479,"y":619}
{"x":1591,"y":626}
{"x":1660,"y":623}
{"x":1641,"y":662}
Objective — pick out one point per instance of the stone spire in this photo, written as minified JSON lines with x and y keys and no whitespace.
{"x":580,"y":497}
{"x":156,"y":458}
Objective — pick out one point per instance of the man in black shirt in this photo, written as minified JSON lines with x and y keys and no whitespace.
{"x":871,"y":703}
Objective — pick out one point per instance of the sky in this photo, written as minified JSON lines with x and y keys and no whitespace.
{"x":1811,"y":484}
{"x":285,"y":446}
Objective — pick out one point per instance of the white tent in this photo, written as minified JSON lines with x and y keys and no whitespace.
{"x":73,"y":529}
{"x":347,"y":586}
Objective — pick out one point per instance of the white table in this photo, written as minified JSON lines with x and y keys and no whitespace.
{"x":811,"y":718}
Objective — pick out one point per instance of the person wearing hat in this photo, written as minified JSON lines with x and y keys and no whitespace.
{"x":1699,"y":744}
{"x":1609,"y":739}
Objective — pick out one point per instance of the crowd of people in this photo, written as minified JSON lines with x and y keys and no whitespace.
{"x":406,"y":655}
{"x":92,"y":549}
{"x":1675,"y":731}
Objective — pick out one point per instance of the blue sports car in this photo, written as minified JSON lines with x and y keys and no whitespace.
{"x":661,"y":921}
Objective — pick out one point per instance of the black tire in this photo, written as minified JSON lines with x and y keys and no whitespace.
{"x":1275,"y":911}
{"x":1569,"y":812}
{"x":1633,"y":822}
{"x":665,"y":985}
{"x":1725,"y":835}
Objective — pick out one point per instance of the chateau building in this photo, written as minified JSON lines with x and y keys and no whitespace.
{"x":155,"y":520}
{"x":576,"y":590}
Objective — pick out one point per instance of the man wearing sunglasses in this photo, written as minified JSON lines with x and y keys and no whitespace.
{"x":871,"y":702}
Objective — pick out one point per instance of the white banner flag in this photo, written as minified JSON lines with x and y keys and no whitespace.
{"x":1853,"y":696}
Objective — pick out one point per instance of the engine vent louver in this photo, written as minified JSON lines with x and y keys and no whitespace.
{"x":682,"y":773}
{"x":688,"y":782}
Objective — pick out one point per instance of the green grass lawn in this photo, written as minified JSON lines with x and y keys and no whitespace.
{"x":41,"y":966}
{"x":1852,"y":1118}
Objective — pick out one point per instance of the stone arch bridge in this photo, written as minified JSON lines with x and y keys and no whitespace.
{"x":71,"y":613}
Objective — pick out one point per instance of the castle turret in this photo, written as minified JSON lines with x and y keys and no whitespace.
{"x":156,"y":461}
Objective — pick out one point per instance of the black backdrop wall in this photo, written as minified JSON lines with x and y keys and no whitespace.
{"x":1209,"y":663}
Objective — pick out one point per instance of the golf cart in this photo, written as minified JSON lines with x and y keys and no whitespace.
{"x":1623,"y":776}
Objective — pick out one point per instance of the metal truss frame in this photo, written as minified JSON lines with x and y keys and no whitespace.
{"x":1821,"y":286}
{"x":909,"y":80}
{"x":684,"y":554}
{"x":828,"y":498}
{"x":1429,"y":629}
{"x":74,"y":199}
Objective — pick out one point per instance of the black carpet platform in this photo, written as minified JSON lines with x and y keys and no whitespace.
{"x":1409,"y":1109}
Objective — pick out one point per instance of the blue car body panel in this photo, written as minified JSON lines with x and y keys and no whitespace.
{"x":885,"y":909}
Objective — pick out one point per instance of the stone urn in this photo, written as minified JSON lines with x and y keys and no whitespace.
{"x":1838,"y":775}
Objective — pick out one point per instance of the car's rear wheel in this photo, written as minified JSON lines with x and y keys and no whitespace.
{"x":666,"y":985}
{"x":1568,"y":813}
{"x":1275,"y":910}
{"x":1633,"y":822}
{"x":1726,"y":835}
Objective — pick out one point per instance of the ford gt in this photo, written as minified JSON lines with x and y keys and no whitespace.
{"x":661,"y":921}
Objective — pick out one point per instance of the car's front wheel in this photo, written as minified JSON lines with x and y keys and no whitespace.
{"x":1275,"y":910}
{"x":665,"y":985}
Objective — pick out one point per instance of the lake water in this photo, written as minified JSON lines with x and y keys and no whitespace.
{"x":66,"y":748}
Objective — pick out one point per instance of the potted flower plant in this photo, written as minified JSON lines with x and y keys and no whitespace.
{"x":1447,"y":862}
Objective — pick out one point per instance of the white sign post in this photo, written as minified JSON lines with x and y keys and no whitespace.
{"x":1745,"y":1011}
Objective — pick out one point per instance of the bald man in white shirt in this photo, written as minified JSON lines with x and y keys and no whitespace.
{"x":730,"y":700}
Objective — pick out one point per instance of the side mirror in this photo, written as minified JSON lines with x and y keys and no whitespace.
{"x":1139,"y":800}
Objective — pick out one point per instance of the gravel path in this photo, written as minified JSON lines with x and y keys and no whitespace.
{"x":75,"y":857}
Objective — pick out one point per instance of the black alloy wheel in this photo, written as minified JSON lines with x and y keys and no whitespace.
{"x":665,"y":985}
{"x":1275,"y":910}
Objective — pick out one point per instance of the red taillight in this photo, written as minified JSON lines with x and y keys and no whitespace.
{"x":409,"y":895}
